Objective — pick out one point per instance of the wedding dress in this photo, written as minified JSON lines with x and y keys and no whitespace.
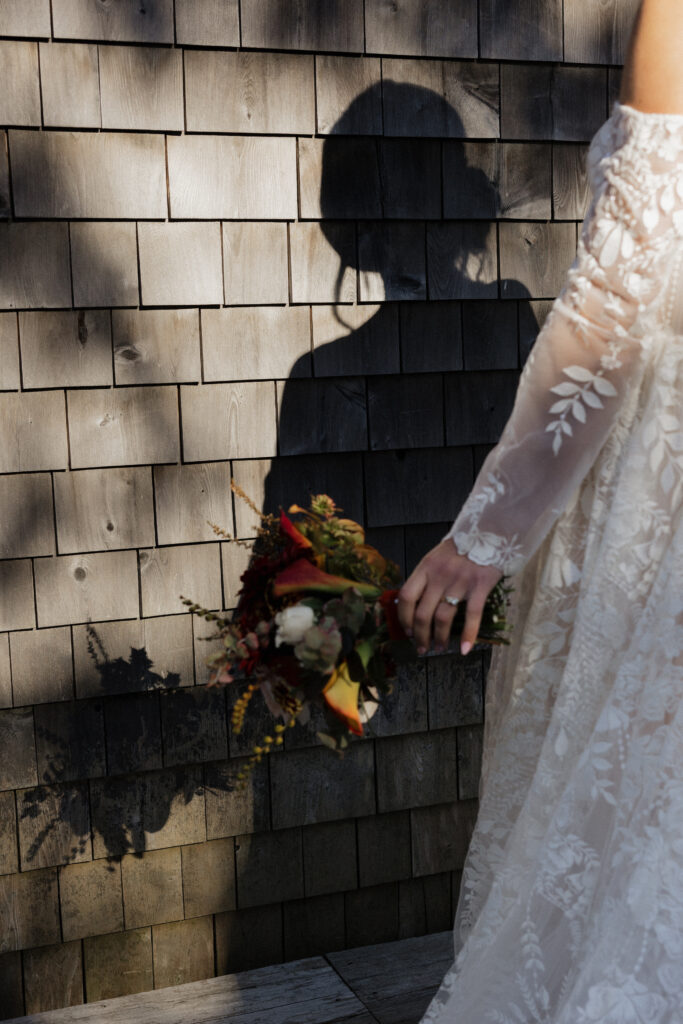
{"x":571,"y":907}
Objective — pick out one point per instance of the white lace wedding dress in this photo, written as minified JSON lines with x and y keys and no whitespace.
{"x":571,"y":909}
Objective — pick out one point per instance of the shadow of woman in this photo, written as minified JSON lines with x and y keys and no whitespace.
{"x":406,"y":376}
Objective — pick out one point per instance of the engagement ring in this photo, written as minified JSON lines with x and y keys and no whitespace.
{"x":455,"y":601}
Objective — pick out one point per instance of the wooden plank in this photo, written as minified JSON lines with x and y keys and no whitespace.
{"x":571,"y":191}
{"x":462,"y":260}
{"x":337,"y":26}
{"x":441,"y":835}
{"x":234,"y":560}
{"x":255,"y":263}
{"x":232,"y":178}
{"x":208,"y":878}
{"x":269,"y":866}
{"x":532,"y":316}
{"x":9,"y":861}
{"x":123,"y":426}
{"x":183,"y":952}
{"x":534,"y":258}
{"x":256,"y":342}
{"x":391,"y":258}
{"x":490,"y":335}
{"x":34,"y":266}
{"x":264,"y":93}
{"x":598,"y":33}
{"x":19,"y":83}
{"x":348,"y":95}
{"x":431,"y":337}
{"x":427,"y":485}
{"x":126,"y":21}
{"x":427,"y":774}
{"x":231,"y":811}
{"x":115,"y":965}
{"x":312,"y":925}
{"x":540,"y":102}
{"x":330,"y":857}
{"x":16,"y":595}
{"x":156,"y":346}
{"x":523,"y":30}
{"x":471,"y":180}
{"x":338,"y":408}
{"x":405,"y":411}
{"x":65,"y":348}
{"x":446,"y":99}
{"x":53,"y":977}
{"x":9,"y":352}
{"x":133,"y":730}
{"x":54,"y":826}
{"x":5,"y":674}
{"x":159,"y":809}
{"x":248,"y":938}
{"x":29,"y":909}
{"x":383,"y":848}
{"x":119,"y":174}
{"x":69,"y":75}
{"x":194,"y":725}
{"x":142,"y":88}
{"x":166,"y":573}
{"x":470,"y":744}
{"x":18,"y":741}
{"x":371,"y":914}
{"x":81,"y":588}
{"x":152,"y":887}
{"x":350,"y":340}
{"x":422,"y":28}
{"x":478,"y":405}
{"x":455,"y":691}
{"x":309,"y":786}
{"x":42,"y":669}
{"x":243,"y":418}
{"x":26,"y":523}
{"x":11,"y":984}
{"x":207,"y":22}
{"x":315,"y":252}
{"x":5,"y":198}
{"x":104,"y":509}
{"x":340,"y":178}
{"x":524,"y":181}
{"x":25,"y":18}
{"x":572,"y":87}
{"x":70,"y":741}
{"x":424,"y":905}
{"x":104,"y":263}
{"x":166,"y":641}
{"x":189,"y":498}
{"x":405,"y":709}
{"x":180,"y":264}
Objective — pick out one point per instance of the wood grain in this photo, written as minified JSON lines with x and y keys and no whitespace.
{"x":183,"y":951}
{"x":117,"y":965}
{"x":42,"y":669}
{"x":242,"y":418}
{"x":232,"y":178}
{"x":571,"y":191}
{"x":91,"y":899}
{"x":32,"y":431}
{"x":462,"y":260}
{"x":52,"y":823}
{"x":65,"y":349}
{"x":207,"y":22}
{"x":34,"y":266}
{"x":209,"y":877}
{"x":349,"y":340}
{"x":322,"y":416}
{"x":340,"y":178}
{"x":119,"y":174}
{"x":22,"y":18}
{"x":126,"y":21}
{"x":598,"y":33}
{"x":123,"y":426}
{"x":190,"y":497}
{"x":156,"y":346}
{"x":8,"y":834}
{"x":9,"y":352}
{"x":69,"y":74}
{"x":191,"y":570}
{"x":16,"y":595}
{"x":427,"y":774}
{"x":306,"y":787}
{"x":523,"y":30}
{"x":104,"y":263}
{"x":391,"y":259}
{"x":152,"y":888}
{"x":315,"y":262}
{"x":5,"y":682}
{"x":263,"y":93}
{"x":5,"y":198}
{"x":405,"y":411}
{"x":82,"y":588}
{"x":19,"y":83}
{"x":53,"y":976}
{"x":142,"y":88}
{"x":336,"y":26}
{"x":255,"y":263}
{"x":348,"y":95}
{"x":441,"y":835}
{"x":29,"y":909}
{"x":450,"y":99}
{"x":534,"y":258}
{"x":26,"y":518}
{"x":104,"y":509}
{"x":180,"y":264}
{"x":422,"y":28}
{"x":256,"y":343}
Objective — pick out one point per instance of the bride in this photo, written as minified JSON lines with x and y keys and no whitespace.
{"x":571,"y":907}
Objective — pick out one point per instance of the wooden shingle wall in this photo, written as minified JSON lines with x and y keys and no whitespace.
{"x":307,"y":245}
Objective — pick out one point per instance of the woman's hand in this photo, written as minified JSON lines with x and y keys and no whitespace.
{"x":443,"y":571}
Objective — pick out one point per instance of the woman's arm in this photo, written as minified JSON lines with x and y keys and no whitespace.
{"x":653,"y":73}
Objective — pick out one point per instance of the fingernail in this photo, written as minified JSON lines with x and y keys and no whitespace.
{"x":465,"y":647}
{"x":422,"y":650}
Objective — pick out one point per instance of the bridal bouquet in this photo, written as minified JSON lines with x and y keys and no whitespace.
{"x":316,"y":622}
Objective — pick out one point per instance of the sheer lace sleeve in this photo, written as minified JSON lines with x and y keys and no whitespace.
{"x":579,"y":368}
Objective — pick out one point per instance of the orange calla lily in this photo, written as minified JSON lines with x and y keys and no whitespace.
{"x":341,"y":693}
{"x":295,"y":535}
{"x":304,"y":575}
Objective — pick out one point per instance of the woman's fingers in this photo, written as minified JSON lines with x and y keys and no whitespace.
{"x":408,"y":596}
{"x":424,"y":613}
{"x":475,"y":608}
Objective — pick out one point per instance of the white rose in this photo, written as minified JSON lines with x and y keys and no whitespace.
{"x":292,"y":623}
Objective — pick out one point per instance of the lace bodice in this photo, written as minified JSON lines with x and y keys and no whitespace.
{"x":578,"y":374}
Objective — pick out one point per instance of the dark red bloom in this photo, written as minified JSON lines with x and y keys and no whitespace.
{"x":388,"y":603}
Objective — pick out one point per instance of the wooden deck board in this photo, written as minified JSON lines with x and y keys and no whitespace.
{"x":387,"y":983}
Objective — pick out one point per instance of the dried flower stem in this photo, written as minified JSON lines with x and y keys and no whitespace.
{"x":236,"y":489}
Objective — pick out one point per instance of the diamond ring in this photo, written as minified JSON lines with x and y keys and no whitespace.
{"x":455,"y":601}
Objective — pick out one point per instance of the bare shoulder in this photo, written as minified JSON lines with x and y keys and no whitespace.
{"x":653,"y":73}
